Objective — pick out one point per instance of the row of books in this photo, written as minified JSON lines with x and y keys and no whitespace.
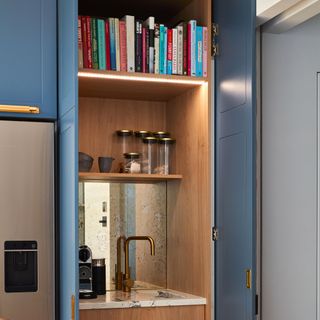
{"x":133,"y":45}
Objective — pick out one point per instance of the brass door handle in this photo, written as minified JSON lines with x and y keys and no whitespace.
{"x":248,"y":278}
{"x":73,"y":307}
{"x":19,"y":109}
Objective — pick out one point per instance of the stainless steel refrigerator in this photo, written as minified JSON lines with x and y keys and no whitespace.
{"x":27,"y":259}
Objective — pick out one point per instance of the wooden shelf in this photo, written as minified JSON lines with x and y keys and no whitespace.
{"x":136,"y":86}
{"x":127,"y":177}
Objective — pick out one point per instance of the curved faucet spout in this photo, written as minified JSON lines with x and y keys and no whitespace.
{"x":128,"y":283}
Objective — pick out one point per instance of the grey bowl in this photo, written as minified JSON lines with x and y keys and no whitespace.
{"x":105,"y":164}
{"x":85,"y":165}
{"x":84,"y":156}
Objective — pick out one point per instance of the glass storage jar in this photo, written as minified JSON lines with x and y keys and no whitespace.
{"x":125,"y":140}
{"x":132,"y":162}
{"x":139,"y":135}
{"x":164,"y":153}
{"x":149,"y":154}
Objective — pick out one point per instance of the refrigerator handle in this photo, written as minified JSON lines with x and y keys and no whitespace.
{"x":19,"y":109}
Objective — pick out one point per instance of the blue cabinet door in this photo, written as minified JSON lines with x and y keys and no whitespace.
{"x":28,"y":56}
{"x":235,"y":160}
{"x":68,"y":158}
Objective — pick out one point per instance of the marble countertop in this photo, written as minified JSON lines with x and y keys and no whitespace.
{"x":141,"y":298}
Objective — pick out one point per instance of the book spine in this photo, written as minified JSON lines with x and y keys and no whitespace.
{"x":123,"y":46}
{"x":94,"y":43}
{"x":88,"y":38}
{"x":189,"y":50}
{"x":130,"y":32}
{"x":151,"y":47}
{"x":161,"y":51}
{"x":144,"y":50}
{"x":180,"y":50}
{"x":193,"y":41}
{"x":185,"y":49}
{"x":169,"y":51}
{"x":147,"y":51}
{"x":117,"y":43}
{"x":80,"y":44}
{"x":199,"y":51}
{"x":165,"y":49}
{"x":174,"y":51}
{"x":108,"y":58}
{"x":156,"y":48}
{"x":112,"y":44}
{"x":138,"y":46}
{"x":84,"y":42}
{"x":101,"y":45}
{"x":205,"y":52}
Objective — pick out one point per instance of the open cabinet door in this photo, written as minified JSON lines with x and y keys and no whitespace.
{"x":68,"y":158}
{"x":235,"y":160}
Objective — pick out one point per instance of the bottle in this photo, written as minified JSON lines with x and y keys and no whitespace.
{"x":164,"y":154}
{"x":132,"y":162}
{"x":149,"y":154}
{"x":99,"y":276}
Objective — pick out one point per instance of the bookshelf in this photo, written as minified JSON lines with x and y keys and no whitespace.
{"x":111,"y":100}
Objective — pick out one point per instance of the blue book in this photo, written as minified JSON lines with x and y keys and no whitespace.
{"x":101,"y":44}
{"x":112,"y":44}
{"x":162,"y":70}
{"x":165,"y":53}
{"x":199,"y":51}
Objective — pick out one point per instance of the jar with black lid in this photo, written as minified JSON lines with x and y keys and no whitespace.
{"x":132,"y":162}
{"x":139,"y":136}
{"x":161,"y":134}
{"x":125,"y":140}
{"x":149,"y":154}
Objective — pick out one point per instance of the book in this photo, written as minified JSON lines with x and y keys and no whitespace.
{"x":147,"y":51}
{"x":101,"y":44}
{"x":130,"y":32}
{"x":205,"y":52}
{"x":84,"y":42}
{"x":150,"y":26}
{"x":165,"y":49}
{"x":180,"y":49}
{"x":113,"y":62}
{"x":138,"y":45}
{"x":192,"y":25}
{"x":80,"y":44}
{"x":185,"y":48}
{"x":169,"y":51}
{"x":123,"y":45}
{"x":199,"y":51}
{"x":108,"y":58}
{"x":94,"y":43}
{"x":144,"y":49}
{"x":88,"y":41}
{"x":162,"y":69}
{"x":174,"y":51}
{"x":117,"y":43}
{"x":156,"y":48}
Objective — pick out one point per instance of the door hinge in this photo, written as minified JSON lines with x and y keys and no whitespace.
{"x":214,"y":233}
{"x":214,"y":45}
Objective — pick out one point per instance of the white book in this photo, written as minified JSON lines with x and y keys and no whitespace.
{"x":180,"y":50}
{"x":193,"y":24}
{"x":117,"y":40}
{"x":130,"y":30}
{"x":156,"y":49}
{"x":174,"y":51}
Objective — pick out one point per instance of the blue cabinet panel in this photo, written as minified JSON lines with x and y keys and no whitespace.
{"x":28,"y":58}
{"x":235,"y":174}
{"x":68,"y":150}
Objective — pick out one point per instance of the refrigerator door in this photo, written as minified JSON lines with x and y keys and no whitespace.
{"x":27,"y":220}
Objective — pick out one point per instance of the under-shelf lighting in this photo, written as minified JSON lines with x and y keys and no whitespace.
{"x":140,"y":78}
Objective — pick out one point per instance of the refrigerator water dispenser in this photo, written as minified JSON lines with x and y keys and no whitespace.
{"x":21,"y":266}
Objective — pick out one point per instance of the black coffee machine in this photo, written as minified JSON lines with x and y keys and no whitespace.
{"x":85,"y":273}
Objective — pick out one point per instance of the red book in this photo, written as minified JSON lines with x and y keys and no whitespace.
{"x":84,"y":42}
{"x":123,"y":45}
{"x":189,"y":51}
{"x":144,"y":50}
{"x":88,"y":42}
{"x":108,"y":59}
{"x":169,"y":52}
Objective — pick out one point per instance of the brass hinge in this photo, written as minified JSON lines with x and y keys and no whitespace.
{"x":214,"y":45}
{"x":214,"y":233}
{"x":248,"y":278}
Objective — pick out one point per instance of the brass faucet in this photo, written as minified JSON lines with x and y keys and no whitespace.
{"x":128,"y":282}
{"x":119,"y":273}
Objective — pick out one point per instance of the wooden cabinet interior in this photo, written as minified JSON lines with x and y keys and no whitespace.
{"x":187,"y":115}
